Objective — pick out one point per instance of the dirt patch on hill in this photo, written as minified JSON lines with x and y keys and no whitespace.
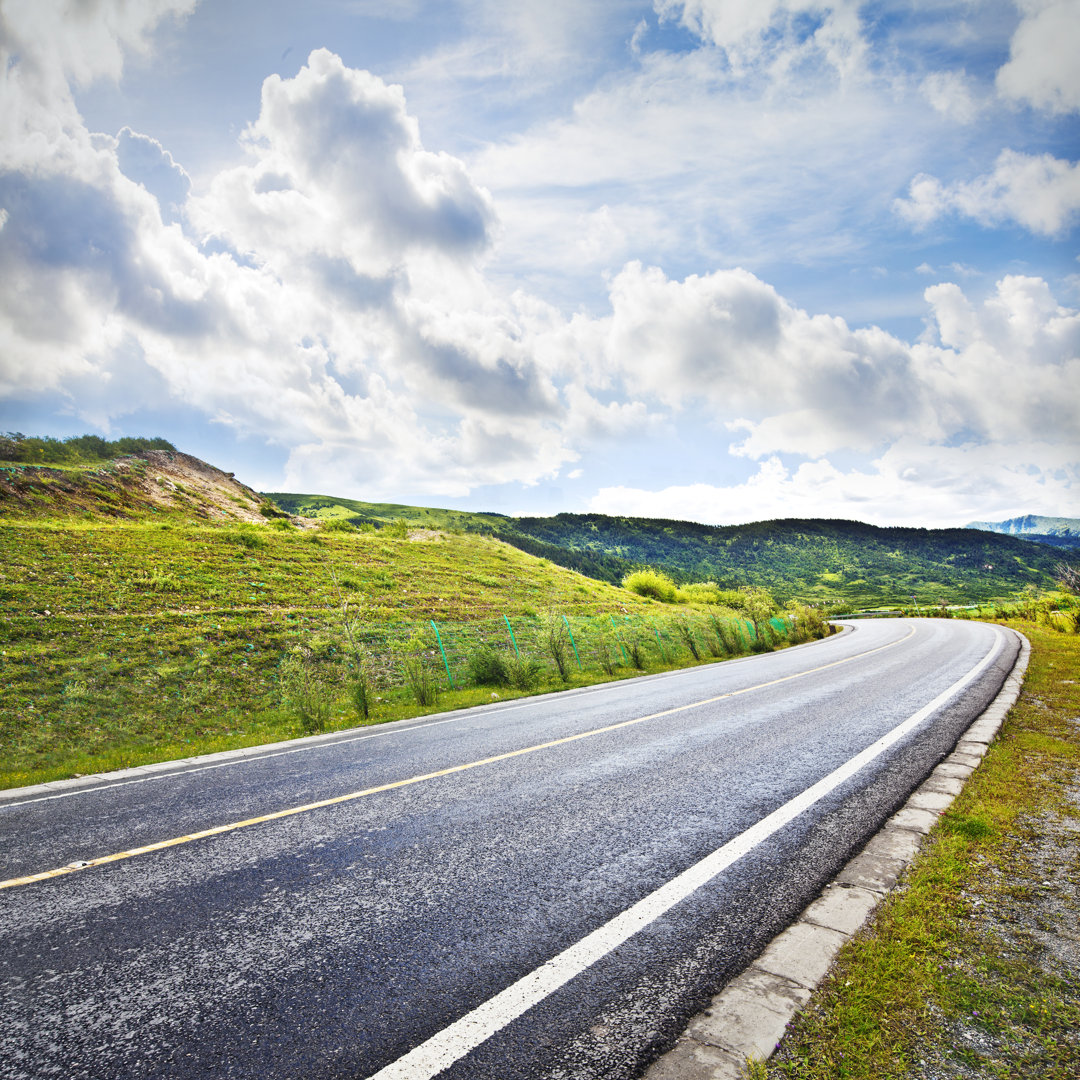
{"x":159,"y":480}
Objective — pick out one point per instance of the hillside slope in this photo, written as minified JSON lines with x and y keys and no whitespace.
{"x":154,"y":482}
{"x":150,"y":610}
{"x":823,"y":561}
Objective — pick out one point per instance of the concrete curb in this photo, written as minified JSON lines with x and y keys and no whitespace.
{"x":748,"y":1018}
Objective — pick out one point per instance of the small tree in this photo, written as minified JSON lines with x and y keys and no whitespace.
{"x":554,"y":641}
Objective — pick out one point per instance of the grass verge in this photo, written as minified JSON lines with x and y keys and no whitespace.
{"x":972,"y":966}
{"x":129,"y":642}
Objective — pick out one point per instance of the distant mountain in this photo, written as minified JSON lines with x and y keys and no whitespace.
{"x":1059,"y":532}
{"x":821,"y":560}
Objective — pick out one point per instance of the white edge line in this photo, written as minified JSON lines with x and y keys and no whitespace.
{"x":163,"y":773}
{"x":459,"y":1038}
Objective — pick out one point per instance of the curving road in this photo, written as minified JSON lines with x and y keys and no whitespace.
{"x":543,"y":888}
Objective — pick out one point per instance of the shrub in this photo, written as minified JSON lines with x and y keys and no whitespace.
{"x":807,"y":623}
{"x":524,"y":673}
{"x":249,"y":538}
{"x":336,"y":525}
{"x":282,"y":524}
{"x":651,"y":583}
{"x":487,"y":667}
{"x":605,"y":657}
{"x":398,"y":529}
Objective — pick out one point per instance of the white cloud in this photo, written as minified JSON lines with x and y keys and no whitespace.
{"x":785,"y":33}
{"x":730,"y":339}
{"x":339,"y":170}
{"x":1038,"y":191}
{"x":1042,"y":68}
{"x":949,"y":93}
{"x":910,"y":484}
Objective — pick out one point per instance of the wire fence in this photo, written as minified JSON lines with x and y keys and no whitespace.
{"x":543,"y":648}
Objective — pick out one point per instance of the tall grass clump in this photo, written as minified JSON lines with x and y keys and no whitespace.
{"x":726,"y":636}
{"x":651,"y":583}
{"x":307,"y":689}
{"x":417,"y":675}
{"x":685,"y":633}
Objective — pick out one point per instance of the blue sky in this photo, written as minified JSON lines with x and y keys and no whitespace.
{"x":718,"y":260}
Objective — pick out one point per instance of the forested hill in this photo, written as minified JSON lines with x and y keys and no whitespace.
{"x":812,"y":559}
{"x":825,"y":560}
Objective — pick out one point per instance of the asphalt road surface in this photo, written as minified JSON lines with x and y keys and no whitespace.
{"x":545,"y":888}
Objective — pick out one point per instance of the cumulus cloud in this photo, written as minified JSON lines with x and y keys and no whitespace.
{"x":1042,"y":69}
{"x":1038,"y":191}
{"x":731,"y":339}
{"x":144,"y":160}
{"x":338,"y":168}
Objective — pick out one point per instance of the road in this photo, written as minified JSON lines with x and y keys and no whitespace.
{"x":544,"y":888}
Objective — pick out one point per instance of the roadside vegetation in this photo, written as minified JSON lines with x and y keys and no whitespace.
{"x":152,"y":632}
{"x":972,"y":966}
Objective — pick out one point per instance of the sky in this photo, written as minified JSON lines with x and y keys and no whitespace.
{"x":712,"y":260}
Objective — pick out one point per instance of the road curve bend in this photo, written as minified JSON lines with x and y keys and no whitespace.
{"x":547,"y":887}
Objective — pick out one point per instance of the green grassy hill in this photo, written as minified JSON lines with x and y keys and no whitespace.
{"x":820,"y":561}
{"x":150,"y":609}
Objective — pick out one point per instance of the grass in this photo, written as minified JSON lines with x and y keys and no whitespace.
{"x":953,"y":978}
{"x":124,"y":642}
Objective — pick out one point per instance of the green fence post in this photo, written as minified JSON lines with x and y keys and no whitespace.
{"x":573,"y":644}
{"x":446,"y":663}
{"x":513,"y":640}
{"x":614,"y":626}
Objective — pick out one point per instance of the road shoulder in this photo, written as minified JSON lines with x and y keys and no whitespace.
{"x":746,"y":1022}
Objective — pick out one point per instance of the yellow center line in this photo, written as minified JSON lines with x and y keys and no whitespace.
{"x":218,"y":830}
